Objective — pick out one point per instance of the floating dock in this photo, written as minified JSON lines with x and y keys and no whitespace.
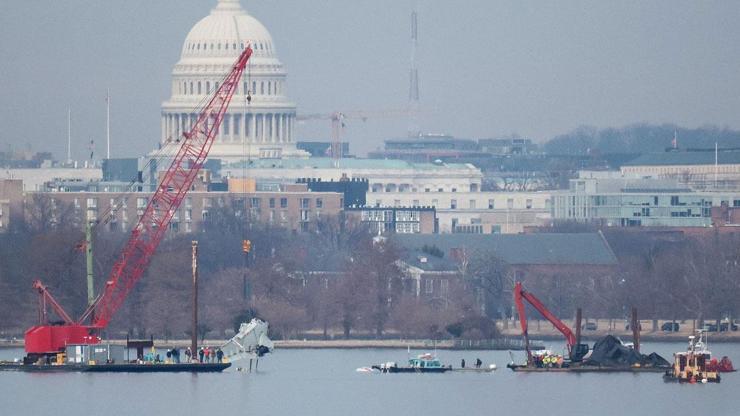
{"x":116,"y":368}
{"x":585,"y":369}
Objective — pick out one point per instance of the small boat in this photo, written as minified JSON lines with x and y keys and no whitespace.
{"x":424,"y":363}
{"x":693,"y":365}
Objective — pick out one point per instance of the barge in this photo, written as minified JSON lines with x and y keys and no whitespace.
{"x":116,"y":368}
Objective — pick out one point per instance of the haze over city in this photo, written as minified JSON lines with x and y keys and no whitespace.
{"x":369,"y":207}
{"x":486,"y":69}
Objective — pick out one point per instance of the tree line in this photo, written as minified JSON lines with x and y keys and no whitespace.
{"x":345,"y":281}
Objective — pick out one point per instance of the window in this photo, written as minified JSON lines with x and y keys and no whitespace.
{"x":272,"y":202}
{"x":269,"y":88}
{"x":255,"y":202}
{"x":510,"y":203}
{"x":92,"y":203}
{"x":199,"y":89}
{"x":454,"y":189}
{"x":283,"y":203}
{"x":305,"y":215}
{"x":262,"y":88}
{"x":319,"y":203}
{"x":415,"y":203}
{"x":141,"y":203}
{"x":396,"y":202}
{"x":208,"y":87}
{"x":429,"y":286}
{"x":453,"y":204}
{"x":529,"y":204}
{"x":491,"y":204}
{"x":305,"y":202}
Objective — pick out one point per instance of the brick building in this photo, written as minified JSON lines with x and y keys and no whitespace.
{"x":291,"y":206}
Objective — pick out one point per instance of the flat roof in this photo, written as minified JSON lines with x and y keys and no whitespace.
{"x":346,"y":163}
{"x":698,"y":157}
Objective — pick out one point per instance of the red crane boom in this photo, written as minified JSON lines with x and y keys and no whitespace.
{"x":574,"y":351}
{"x":148,"y":232}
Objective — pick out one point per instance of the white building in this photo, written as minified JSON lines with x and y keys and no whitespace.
{"x":383,"y":175}
{"x":263,"y":128}
{"x":475,"y":212}
{"x":35,"y":178}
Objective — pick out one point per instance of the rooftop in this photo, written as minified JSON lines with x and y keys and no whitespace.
{"x":692,"y":157}
{"x":348,"y":163}
{"x":514,"y":249}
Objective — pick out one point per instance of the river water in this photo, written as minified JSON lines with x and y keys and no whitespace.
{"x":324,"y":382}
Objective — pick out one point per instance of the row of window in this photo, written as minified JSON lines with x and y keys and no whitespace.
{"x":205,"y":46}
{"x":472,"y":204}
{"x":141,"y":202}
{"x":258,"y":88}
{"x":404,"y":187}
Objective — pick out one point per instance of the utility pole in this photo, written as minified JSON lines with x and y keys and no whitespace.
{"x":246,"y":248}
{"x":89,"y":258}
{"x":107,"y":121}
{"x":194,"y":337}
{"x":635,"y":330}
{"x":413,"y":128}
{"x":69,"y":135}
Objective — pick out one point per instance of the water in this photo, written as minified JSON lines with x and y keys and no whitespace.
{"x":324,"y":382}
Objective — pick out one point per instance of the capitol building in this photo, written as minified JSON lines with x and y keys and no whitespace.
{"x":262,"y":128}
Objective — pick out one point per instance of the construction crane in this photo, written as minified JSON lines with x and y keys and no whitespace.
{"x":45,"y":338}
{"x":338,"y":124}
{"x":576,"y":351}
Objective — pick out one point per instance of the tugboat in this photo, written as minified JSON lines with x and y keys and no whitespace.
{"x":693,"y":365}
{"x":424,"y":363}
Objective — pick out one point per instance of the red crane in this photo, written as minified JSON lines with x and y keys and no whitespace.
{"x":145,"y":237}
{"x":575,"y":351}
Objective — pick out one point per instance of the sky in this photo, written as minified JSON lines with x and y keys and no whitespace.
{"x":486,"y":68}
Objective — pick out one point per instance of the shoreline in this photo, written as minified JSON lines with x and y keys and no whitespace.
{"x":403,"y":344}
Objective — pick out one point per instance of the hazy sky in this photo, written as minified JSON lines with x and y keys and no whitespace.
{"x":486,"y":68}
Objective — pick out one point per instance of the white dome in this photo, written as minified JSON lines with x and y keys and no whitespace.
{"x":266,"y":123}
{"x":225,"y":32}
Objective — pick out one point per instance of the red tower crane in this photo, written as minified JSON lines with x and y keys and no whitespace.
{"x":575,"y":351}
{"x":45,"y":338}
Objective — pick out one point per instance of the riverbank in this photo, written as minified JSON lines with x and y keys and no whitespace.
{"x":417,"y":344}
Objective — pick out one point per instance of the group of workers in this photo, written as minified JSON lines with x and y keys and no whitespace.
{"x":478,"y":363}
{"x":204,"y":355}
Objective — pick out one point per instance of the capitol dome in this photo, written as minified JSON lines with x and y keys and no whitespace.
{"x":260,"y":129}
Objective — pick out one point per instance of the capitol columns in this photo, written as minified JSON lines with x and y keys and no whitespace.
{"x":273,"y":128}
{"x":163,"y":139}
